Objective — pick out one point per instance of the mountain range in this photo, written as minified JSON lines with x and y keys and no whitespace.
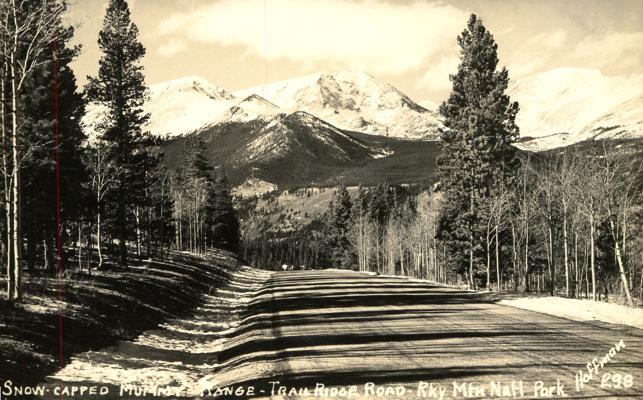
{"x":569,"y":105}
{"x":320,"y":126}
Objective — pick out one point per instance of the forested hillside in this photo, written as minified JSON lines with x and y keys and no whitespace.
{"x":73,"y":203}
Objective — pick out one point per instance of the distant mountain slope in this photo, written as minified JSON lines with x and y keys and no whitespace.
{"x":299,"y":150}
{"x":185,"y":106}
{"x":188,"y":106}
{"x":354,"y":101}
{"x":294,"y":147}
{"x":568,"y":105}
{"x":300,"y":135}
{"x":250,"y":108}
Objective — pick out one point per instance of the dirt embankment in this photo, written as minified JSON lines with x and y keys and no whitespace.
{"x":99,"y":310}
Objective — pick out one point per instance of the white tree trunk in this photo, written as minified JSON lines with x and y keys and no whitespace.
{"x":592,"y":255}
{"x":99,"y":239}
{"x":566,"y":251}
{"x":621,"y":267}
{"x":16,"y":237}
{"x":498,"y":278}
{"x":137,"y":214}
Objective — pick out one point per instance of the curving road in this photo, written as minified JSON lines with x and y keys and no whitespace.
{"x":368,"y":336}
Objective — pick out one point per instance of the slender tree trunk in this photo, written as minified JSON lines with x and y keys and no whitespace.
{"x":90,"y":248}
{"x":401,"y":250}
{"x":488,"y":260}
{"x":122,"y":229}
{"x":577,"y":280}
{"x":586,"y":272}
{"x":98,"y":237}
{"x":566,"y":252}
{"x":498,"y":275}
{"x":8,"y":184}
{"x":16,"y":200}
{"x":514,"y":255}
{"x":471,"y":278}
{"x":80,"y":246}
{"x":621,"y":267}
{"x":179,"y":237}
{"x":527,"y":258}
{"x":552,"y":284}
{"x":45,"y":252}
{"x":137,"y":215}
{"x":592,"y":255}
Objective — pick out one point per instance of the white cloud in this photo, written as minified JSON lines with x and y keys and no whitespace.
{"x":613,"y":53}
{"x":616,"y":52}
{"x":549,"y":40}
{"x":436,"y":77}
{"x":535,"y":53}
{"x":381,"y":37}
{"x":172,"y":47}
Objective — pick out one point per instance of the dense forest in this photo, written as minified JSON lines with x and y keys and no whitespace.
{"x":77,"y":202}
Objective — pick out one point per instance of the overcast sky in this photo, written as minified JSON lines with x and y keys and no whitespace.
{"x":410,"y":44}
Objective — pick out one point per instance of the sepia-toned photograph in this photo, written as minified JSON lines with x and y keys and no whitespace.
{"x":321,"y":199}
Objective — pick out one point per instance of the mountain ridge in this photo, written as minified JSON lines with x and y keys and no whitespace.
{"x":558,"y":107}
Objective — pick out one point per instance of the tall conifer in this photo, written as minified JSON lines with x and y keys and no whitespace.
{"x":120,"y":88}
{"x":480,"y":127}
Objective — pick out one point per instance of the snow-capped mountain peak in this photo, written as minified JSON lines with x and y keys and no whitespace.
{"x":250,"y":108}
{"x":574,"y":104}
{"x":190,"y":84}
{"x":352,"y":100}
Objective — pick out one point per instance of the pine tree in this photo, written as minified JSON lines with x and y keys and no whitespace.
{"x":221,"y":217}
{"x":39,"y":168}
{"x":120,"y":88}
{"x":479,"y":121}
{"x":338,"y":221}
{"x":203,"y":207}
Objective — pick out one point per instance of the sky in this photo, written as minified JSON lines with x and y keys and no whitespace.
{"x":412,"y":45}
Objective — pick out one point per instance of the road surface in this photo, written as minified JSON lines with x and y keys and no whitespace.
{"x":341,"y":334}
{"x":342,"y":329}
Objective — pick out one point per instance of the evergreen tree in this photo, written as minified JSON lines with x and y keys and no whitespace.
{"x":221,"y":219}
{"x":120,"y":88}
{"x":39,"y":168}
{"x":338,"y":220}
{"x":477,"y":154}
{"x":203,"y":206}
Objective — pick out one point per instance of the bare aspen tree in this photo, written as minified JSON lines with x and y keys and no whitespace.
{"x":103,"y":172}
{"x":548,"y":205}
{"x":28,"y":31}
{"x":615,"y":184}
{"x":525,"y":215}
{"x":566,"y":177}
{"x":587,"y":189}
{"x":497,"y":207}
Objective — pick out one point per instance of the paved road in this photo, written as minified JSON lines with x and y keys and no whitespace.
{"x":406,"y":339}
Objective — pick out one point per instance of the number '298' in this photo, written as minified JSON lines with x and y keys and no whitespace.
{"x":616,"y":381}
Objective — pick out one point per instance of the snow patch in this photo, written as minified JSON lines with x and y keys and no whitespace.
{"x":580,"y":310}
